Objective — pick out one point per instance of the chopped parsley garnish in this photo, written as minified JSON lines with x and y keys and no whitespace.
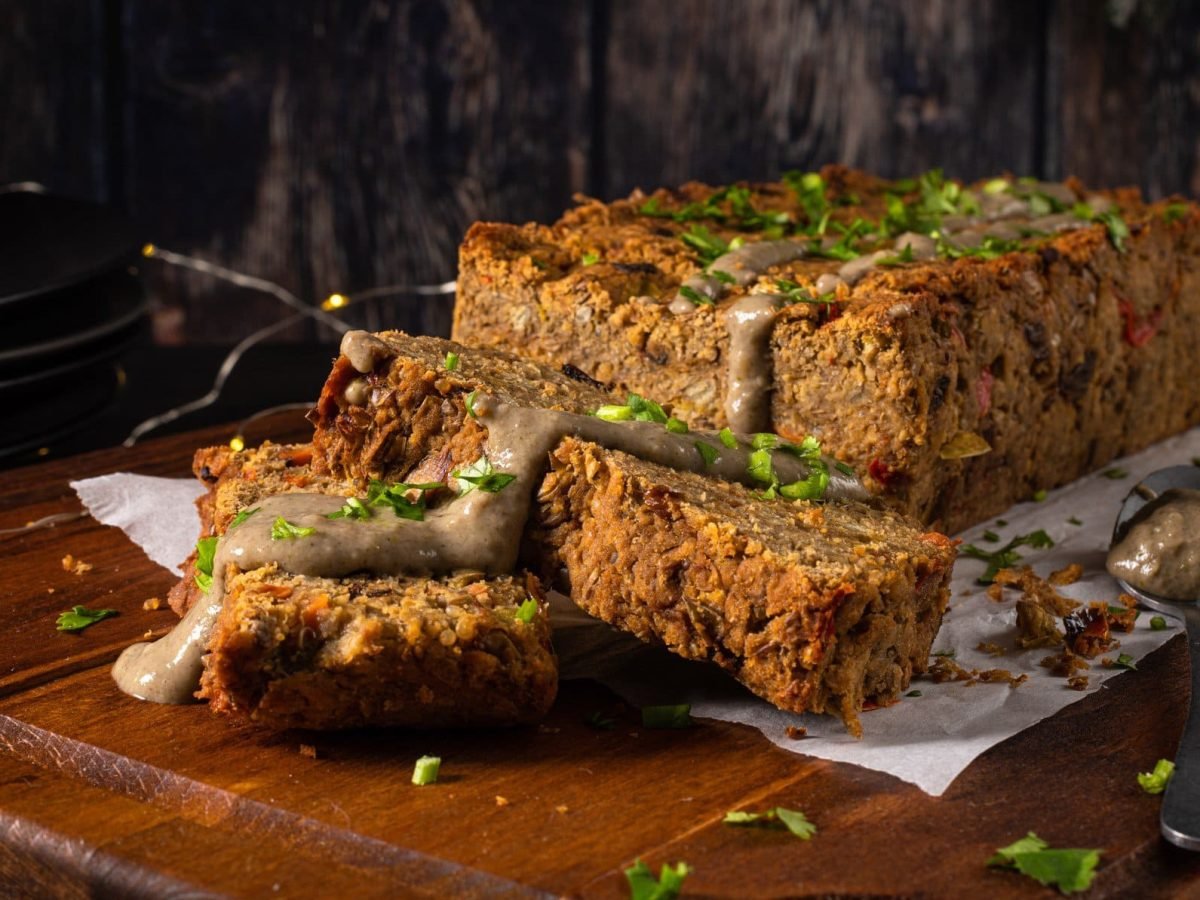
{"x":1174,"y":212}
{"x":721,"y":276}
{"x":990,"y":247}
{"x":707,"y":452}
{"x":1007,"y":555}
{"x":646,"y":410}
{"x":1039,"y":495}
{"x":676,"y":716}
{"x":843,"y":249}
{"x":396,"y":496}
{"x":913,"y":694}
{"x":991,"y":537}
{"x":844,"y":468}
{"x":708,"y":246}
{"x":242,"y":517}
{"x":1118,"y":231}
{"x":795,"y":293}
{"x":1156,"y":782}
{"x":761,"y":468}
{"x":426,"y":770}
{"x":601,"y":722}
{"x":936,"y":198}
{"x":80,"y":617}
{"x":1158,"y":623}
{"x":283,"y":530}
{"x":1125,"y":661}
{"x":1069,"y":870}
{"x":779,"y":817}
{"x":613,"y":413}
{"x":527,"y":610}
{"x":640,"y":409}
{"x":590,"y":258}
{"x":1115,"y":473}
{"x":353,"y":508}
{"x":676,"y":426}
{"x":948,"y":654}
{"x":809,"y":188}
{"x":644,"y":886}
{"x":469,"y":403}
{"x":726,"y":437}
{"x":206,"y":549}
{"x":481,"y":475}
{"x":1074,"y":521}
{"x":451,"y":362}
{"x":1000,"y":523}
{"x":694,"y":297}
{"x":897,"y":259}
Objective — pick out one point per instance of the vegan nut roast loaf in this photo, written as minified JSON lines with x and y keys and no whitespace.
{"x":960,"y":347}
{"x":824,"y":603}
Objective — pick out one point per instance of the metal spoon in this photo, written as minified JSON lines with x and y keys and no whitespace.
{"x":1180,"y":818}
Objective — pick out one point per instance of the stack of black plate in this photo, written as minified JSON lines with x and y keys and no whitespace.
{"x":70,"y":304}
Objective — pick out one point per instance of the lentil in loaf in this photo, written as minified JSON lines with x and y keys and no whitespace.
{"x":813,"y":607}
{"x":291,"y":651}
{"x":1057,"y":351}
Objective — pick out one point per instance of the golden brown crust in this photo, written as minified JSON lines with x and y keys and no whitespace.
{"x":1061,"y":356}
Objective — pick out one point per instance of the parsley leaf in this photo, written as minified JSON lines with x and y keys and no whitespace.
{"x":1158,"y":623}
{"x":676,"y":716}
{"x":481,"y":475}
{"x":646,"y":410}
{"x":80,"y":617}
{"x":242,"y":517}
{"x":1174,"y":212}
{"x":644,"y":886}
{"x":707,"y":452}
{"x":469,"y":403}
{"x":779,"y":817}
{"x":395,"y":496}
{"x":795,"y":293}
{"x":590,"y":258}
{"x":1007,"y":555}
{"x":694,"y":297}
{"x":283,"y":530}
{"x":1125,"y":661}
{"x":426,"y":770}
{"x":1156,"y":782}
{"x":1115,"y":473}
{"x":707,"y":246}
{"x":676,"y":426}
{"x":353,"y":508}
{"x":527,"y":610}
{"x":727,"y":438}
{"x":613,"y":413}
{"x":1070,"y":870}
{"x":206,"y":549}
{"x":451,"y":362}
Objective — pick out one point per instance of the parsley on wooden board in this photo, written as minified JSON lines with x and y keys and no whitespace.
{"x":1068,"y":870}
{"x":779,"y":817}
{"x":80,"y":617}
{"x":426,"y":770}
{"x":644,"y":886}
{"x":1155,"y":782}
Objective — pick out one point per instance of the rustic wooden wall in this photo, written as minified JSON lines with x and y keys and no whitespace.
{"x":337,"y":145}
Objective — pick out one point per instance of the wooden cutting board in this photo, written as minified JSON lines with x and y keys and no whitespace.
{"x":103,"y":794}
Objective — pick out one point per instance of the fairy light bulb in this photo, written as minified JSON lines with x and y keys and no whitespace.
{"x":335,"y":301}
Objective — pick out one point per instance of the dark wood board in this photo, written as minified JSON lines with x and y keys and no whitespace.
{"x":100,"y":794}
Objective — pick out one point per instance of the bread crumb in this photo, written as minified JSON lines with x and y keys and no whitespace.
{"x":153,"y":603}
{"x":991,"y":649}
{"x":501,"y":801}
{"x":1077,"y":682}
{"x":561,"y":809}
{"x":795,"y":732}
{"x":308,"y":750}
{"x":1068,"y":575}
{"x":149,"y":633}
{"x":75,"y":566}
{"x":49,"y":590}
{"x":995,"y":592}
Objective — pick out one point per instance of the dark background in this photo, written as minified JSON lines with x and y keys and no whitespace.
{"x":333,"y":146}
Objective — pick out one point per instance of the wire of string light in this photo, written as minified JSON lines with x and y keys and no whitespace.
{"x":323,"y":314}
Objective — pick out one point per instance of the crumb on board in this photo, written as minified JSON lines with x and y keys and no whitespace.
{"x":991,"y":649}
{"x":1077,"y":682}
{"x":1064,"y":663}
{"x":149,"y":633}
{"x":153,"y":603}
{"x":49,"y":590}
{"x":796,"y":732}
{"x":308,"y":750}
{"x":75,"y":566}
{"x":562,"y":810}
{"x":501,"y":801}
{"x":946,"y":669}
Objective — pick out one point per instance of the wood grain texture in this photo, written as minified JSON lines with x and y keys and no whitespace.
{"x":340,"y":146}
{"x":104,"y":795}
{"x":1124,"y":80}
{"x":52,"y":97}
{"x":721,"y":91}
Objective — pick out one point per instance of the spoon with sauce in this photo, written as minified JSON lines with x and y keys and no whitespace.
{"x":1155,"y":555}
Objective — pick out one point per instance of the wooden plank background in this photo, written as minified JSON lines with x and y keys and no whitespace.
{"x":333,"y":146}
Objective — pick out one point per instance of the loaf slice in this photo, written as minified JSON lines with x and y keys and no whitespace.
{"x":956,"y":379}
{"x":814,"y":607}
{"x":292,"y":651}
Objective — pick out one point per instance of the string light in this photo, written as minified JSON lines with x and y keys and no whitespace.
{"x":44,"y":522}
{"x":335,"y":301}
{"x":237,"y":443}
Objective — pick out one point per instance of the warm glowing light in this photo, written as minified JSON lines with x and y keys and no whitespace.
{"x":335,"y":301}
{"x":237,"y":443}
{"x":148,"y":250}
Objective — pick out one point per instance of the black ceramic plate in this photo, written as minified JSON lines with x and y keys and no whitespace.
{"x":47,"y":410}
{"x":41,"y":329}
{"x":48,"y":243}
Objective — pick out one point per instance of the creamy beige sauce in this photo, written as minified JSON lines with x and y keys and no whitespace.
{"x":1160,"y":551}
{"x":749,"y":321}
{"x":744,"y":265}
{"x":479,"y":531}
{"x":364,"y":350}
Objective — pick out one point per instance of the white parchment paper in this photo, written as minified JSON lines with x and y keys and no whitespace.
{"x":926,"y":740}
